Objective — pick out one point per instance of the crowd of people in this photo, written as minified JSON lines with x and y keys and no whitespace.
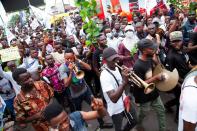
{"x":57,"y":71}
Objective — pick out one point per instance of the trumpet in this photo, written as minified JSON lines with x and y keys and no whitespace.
{"x":148,"y":88}
{"x":78,"y":73}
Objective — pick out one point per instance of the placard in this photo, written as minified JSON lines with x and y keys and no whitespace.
{"x":9,"y":54}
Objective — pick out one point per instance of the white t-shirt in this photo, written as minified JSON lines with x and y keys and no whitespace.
{"x":31,"y":64}
{"x":188,"y":103}
{"x":108,"y":83}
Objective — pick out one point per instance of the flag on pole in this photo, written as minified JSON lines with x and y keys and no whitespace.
{"x":41,"y":16}
{"x":105,"y":4}
{"x":116,"y":6}
{"x":124,"y":5}
{"x":22,"y":15}
{"x":100,"y":11}
{"x":160,"y":5}
{"x":10,"y":36}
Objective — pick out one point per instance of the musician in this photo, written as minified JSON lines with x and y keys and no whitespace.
{"x":113,"y":86}
{"x":143,"y":68}
{"x":176,"y":58}
{"x":188,"y":103}
{"x":78,"y":87}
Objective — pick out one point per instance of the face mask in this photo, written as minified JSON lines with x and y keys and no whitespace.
{"x":129,"y":34}
{"x":109,"y":35}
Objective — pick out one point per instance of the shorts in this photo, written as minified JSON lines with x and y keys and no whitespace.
{"x":76,"y":121}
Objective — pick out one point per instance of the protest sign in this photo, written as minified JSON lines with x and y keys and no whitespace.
{"x":9,"y":54}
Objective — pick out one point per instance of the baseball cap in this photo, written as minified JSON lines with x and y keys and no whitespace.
{"x":110,"y":54}
{"x":146,"y":43}
{"x":176,"y":35}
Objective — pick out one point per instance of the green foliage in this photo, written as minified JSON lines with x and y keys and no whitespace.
{"x":177,"y":3}
{"x":14,"y":19}
{"x":87,"y":12}
{"x":192,"y":6}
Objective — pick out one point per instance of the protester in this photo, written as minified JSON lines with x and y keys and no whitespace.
{"x":147,"y":98}
{"x":113,"y":87}
{"x":32,"y":100}
{"x":70,"y":57}
{"x":188,"y":101}
{"x":128,"y":48}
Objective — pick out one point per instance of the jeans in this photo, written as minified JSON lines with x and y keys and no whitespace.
{"x":118,"y":120}
{"x":10,"y":107}
{"x":76,"y":121}
{"x":64,"y":99}
{"x":158,"y":106}
{"x":86,"y":97}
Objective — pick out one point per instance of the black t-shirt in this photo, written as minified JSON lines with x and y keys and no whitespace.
{"x":178,"y":61}
{"x":97,"y":58}
{"x":143,"y":69}
{"x":193,"y":55}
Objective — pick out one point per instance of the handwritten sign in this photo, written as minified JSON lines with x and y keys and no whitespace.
{"x":9,"y":54}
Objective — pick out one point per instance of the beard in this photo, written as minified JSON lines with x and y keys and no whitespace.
{"x":28,"y":87}
{"x":150,"y":56}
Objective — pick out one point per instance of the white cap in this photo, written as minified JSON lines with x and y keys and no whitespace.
{"x":129,"y":27}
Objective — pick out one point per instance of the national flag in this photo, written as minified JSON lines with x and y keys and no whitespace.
{"x":116,"y":6}
{"x":100,"y":11}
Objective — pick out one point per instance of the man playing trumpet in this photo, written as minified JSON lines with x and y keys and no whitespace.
{"x":143,"y":68}
{"x":113,"y":86}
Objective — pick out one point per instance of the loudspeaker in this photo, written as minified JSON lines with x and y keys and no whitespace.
{"x":15,"y":5}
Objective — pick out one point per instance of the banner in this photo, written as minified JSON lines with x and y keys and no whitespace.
{"x":54,"y":7}
{"x":149,"y":5}
{"x":13,"y":54}
{"x":116,"y":6}
{"x":70,"y":2}
{"x":160,"y":5}
{"x":125,"y":5}
{"x":100,"y":12}
{"x":34,"y":24}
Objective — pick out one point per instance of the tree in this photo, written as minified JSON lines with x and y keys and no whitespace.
{"x":87,"y":12}
{"x":180,"y":6}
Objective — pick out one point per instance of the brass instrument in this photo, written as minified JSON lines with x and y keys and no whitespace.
{"x":78,"y":73}
{"x":139,"y":82}
{"x":170,"y":81}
